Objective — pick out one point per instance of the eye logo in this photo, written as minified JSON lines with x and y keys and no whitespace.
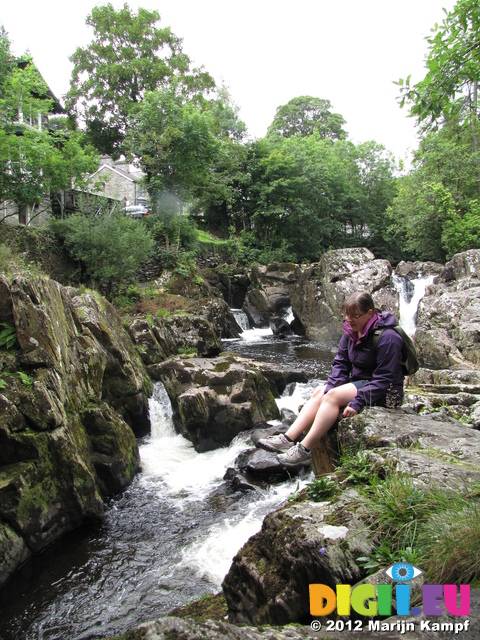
{"x":402,"y":572}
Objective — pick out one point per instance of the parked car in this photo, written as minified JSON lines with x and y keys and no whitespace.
{"x":137,"y":211}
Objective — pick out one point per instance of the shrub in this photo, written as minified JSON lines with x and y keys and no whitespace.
{"x":110,"y":247}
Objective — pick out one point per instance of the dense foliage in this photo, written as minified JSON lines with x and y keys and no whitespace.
{"x":109,"y":248}
{"x":34,"y":160}
{"x":129,"y":55}
{"x":447,"y":164}
{"x":302,"y":189}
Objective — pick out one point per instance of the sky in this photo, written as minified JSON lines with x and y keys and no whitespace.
{"x":267,"y":52}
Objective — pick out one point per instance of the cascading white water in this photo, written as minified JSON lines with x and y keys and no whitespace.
{"x":288,"y":315}
{"x":170,"y":463}
{"x":410,"y":293}
{"x":241,"y":318}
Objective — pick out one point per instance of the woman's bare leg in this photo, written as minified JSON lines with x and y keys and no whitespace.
{"x":320,"y":413}
{"x":307,"y":414}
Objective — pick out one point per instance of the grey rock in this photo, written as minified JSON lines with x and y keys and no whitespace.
{"x":322,"y":288}
{"x":66,"y":437}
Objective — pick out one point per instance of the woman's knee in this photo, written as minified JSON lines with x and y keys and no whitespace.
{"x":340,"y":396}
{"x":318,"y":393}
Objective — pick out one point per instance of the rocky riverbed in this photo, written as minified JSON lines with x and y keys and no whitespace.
{"x":75,"y":388}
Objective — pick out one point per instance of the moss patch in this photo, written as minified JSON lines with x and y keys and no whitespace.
{"x":208,"y":607}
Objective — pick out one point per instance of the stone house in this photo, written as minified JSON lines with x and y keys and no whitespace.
{"x":118,"y":181}
{"x":113,"y":186}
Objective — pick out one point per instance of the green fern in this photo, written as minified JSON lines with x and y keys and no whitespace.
{"x":8,"y":336}
{"x":26,"y":379}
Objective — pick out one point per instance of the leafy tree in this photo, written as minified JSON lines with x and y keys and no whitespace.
{"x":129,"y":56}
{"x":450,"y":88}
{"x":445,"y":156}
{"x":175,"y":141}
{"x":306,"y":195}
{"x":294,"y":198}
{"x":34,"y":161}
{"x":453,"y":64}
{"x":369,"y":188}
{"x":417,"y":216}
{"x":445,"y":187}
{"x":110,"y":248}
{"x":461,"y":233}
{"x":306,"y":115}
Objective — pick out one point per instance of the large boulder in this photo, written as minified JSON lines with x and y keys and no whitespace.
{"x":73,"y":388}
{"x":214,"y":399}
{"x":448,"y":319}
{"x":308,"y":542}
{"x":199,"y":330}
{"x":269,"y":292}
{"x":269,"y":578}
{"x":322,"y":288}
{"x":418,"y":269}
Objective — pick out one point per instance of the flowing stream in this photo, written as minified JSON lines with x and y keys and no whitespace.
{"x":170,"y":537}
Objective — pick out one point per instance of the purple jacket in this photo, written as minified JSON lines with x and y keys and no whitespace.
{"x":355,"y":361}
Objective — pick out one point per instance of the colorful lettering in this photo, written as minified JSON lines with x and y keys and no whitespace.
{"x":450,"y":596}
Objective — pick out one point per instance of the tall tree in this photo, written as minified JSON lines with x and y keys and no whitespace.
{"x":453,"y":64}
{"x":418,"y":215}
{"x":34,"y":162}
{"x":450,"y":87}
{"x":129,"y":56}
{"x":306,"y":115}
{"x":175,"y":142}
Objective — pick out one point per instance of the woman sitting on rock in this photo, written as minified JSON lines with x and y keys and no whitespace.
{"x":359,"y":378}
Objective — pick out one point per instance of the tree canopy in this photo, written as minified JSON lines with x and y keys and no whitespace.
{"x":302,"y":189}
{"x":130,"y":55}
{"x":438,"y":204}
{"x":453,"y":64}
{"x":34,"y":161}
{"x":306,"y":115}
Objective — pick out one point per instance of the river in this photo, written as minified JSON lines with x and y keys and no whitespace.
{"x":169,"y":538}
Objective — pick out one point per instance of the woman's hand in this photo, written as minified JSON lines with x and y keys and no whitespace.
{"x":349,"y":412}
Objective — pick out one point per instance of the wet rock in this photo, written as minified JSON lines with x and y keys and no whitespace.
{"x":412,"y":270}
{"x":269,"y":292}
{"x":74,"y":388}
{"x":280,"y":327}
{"x":322,"y":288}
{"x":215,"y":399}
{"x":264,"y":464}
{"x":238,"y":481}
{"x":448,"y":325}
{"x":196,"y":332}
{"x":269,"y":577}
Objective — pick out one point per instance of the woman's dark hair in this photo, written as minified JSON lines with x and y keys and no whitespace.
{"x":360,"y":301}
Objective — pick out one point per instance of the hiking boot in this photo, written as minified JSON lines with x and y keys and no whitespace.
{"x":295,"y":456}
{"x":275,"y":443}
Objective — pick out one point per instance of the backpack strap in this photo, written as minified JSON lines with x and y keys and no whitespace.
{"x":408,"y":358}
{"x":376,"y":337}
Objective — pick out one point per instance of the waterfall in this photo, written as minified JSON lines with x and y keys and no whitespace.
{"x":410,"y":293}
{"x":172,"y":465}
{"x":241,"y":318}
{"x":288,"y":315}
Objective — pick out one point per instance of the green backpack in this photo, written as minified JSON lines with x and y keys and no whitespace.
{"x":410,"y":364}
